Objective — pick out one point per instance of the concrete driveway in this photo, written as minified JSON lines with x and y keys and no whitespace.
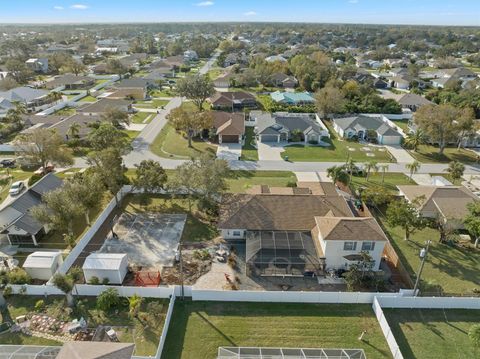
{"x":270,"y":151}
{"x":307,"y":177}
{"x":229,"y":151}
{"x":400,"y":154}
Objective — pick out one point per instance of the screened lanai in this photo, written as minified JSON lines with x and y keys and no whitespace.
{"x":282,"y":253}
{"x":288,"y":353}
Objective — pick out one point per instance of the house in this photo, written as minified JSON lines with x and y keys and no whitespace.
{"x":111,"y":266}
{"x":232,"y":100}
{"x":190,"y":55}
{"x":223,"y":81}
{"x":413,"y":101}
{"x":5,"y":105}
{"x":133,"y":60}
{"x":17,"y":223}
{"x":281,"y":80}
{"x":293,"y":98}
{"x":380,"y":84}
{"x":448,"y":203}
{"x":70,"y":82}
{"x":275,"y":58}
{"x":105,"y":104}
{"x":38,"y":65}
{"x":449,"y":77}
{"x":63,"y":127}
{"x":320,"y":230}
{"x":136,"y":88}
{"x":26,"y":95}
{"x":229,"y":127}
{"x":100,"y":69}
{"x":282,"y":126}
{"x":120,"y":45}
{"x":42,"y":265}
{"x":96,"y":350}
{"x":368,"y":127}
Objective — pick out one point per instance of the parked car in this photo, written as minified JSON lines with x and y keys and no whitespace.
{"x":44,"y":170}
{"x":7,"y":163}
{"x":16,"y":188}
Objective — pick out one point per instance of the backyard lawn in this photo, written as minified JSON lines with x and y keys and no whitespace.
{"x":197,"y":228}
{"x":88,"y":99}
{"x":429,"y":154}
{"x":144,"y":334}
{"x":447,"y":269}
{"x":403,"y":124}
{"x":425,"y":333}
{"x":241,"y":181}
{"x":249,"y":152}
{"x":197,"y":329}
{"x":162,"y":93}
{"x":66,"y":111}
{"x":391,"y":181}
{"x":172,"y":144}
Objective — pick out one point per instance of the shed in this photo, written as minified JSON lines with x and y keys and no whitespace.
{"x":42,"y":265}
{"x":106,"y":265}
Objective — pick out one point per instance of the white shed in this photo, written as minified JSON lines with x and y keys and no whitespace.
{"x":42,"y":265}
{"x":106,"y":265}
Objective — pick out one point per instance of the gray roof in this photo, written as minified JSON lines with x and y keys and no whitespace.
{"x":368,"y":122}
{"x":104,"y":104}
{"x":133,"y":82}
{"x":411,"y":99}
{"x":274,"y":123}
{"x":24,"y":94}
{"x":84,"y":121}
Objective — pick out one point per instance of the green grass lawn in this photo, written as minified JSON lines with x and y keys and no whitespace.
{"x":162,"y":93}
{"x":249,"y":152}
{"x":392,"y":180}
{"x":139,"y":117}
{"x":145,"y":334}
{"x":88,"y":98}
{"x":66,"y":111}
{"x":151,"y":104}
{"x":447,"y":269}
{"x":131,"y":134}
{"x":429,"y":154}
{"x":215,"y":72}
{"x":243,"y":180}
{"x":16,"y":175}
{"x":172,"y":144}
{"x":101,"y":81}
{"x":197,"y":329}
{"x":197,"y":228}
{"x":432,"y":334}
{"x":339,"y":151}
{"x":403,"y":124}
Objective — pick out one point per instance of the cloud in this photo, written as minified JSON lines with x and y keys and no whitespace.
{"x":58,"y":7}
{"x":205,"y":3}
{"x":250,"y":13}
{"x":79,"y":7}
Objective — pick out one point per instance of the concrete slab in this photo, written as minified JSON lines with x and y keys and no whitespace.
{"x":136,"y":127}
{"x":401,"y":155}
{"x":270,"y":151}
{"x":307,"y":177}
{"x":422,"y":179}
{"x":324,"y":177}
{"x":229,"y":151}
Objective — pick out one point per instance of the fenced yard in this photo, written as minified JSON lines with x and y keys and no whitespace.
{"x":197,"y":329}
{"x":434,"y":333}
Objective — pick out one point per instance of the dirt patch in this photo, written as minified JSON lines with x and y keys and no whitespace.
{"x":196,"y":263}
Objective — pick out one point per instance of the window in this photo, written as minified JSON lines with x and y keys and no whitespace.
{"x":368,"y":246}
{"x":236,"y":233}
{"x":349,"y":246}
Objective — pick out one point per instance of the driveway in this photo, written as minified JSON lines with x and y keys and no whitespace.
{"x":401,"y":154}
{"x":229,"y":151}
{"x":307,"y":177}
{"x":270,"y":151}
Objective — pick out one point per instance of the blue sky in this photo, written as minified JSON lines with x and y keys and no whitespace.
{"x":423,"y":12}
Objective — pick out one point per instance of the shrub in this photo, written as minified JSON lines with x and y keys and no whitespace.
{"x":8,"y":291}
{"x":94,"y":280}
{"x":108,"y":299}
{"x":105,"y":281}
{"x":202,"y":254}
{"x":39,"y":305}
{"x":18,"y":276}
{"x":34,"y":179}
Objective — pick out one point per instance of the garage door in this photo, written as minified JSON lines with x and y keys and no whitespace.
{"x":391,"y":140}
{"x":268,"y":138}
{"x":229,"y":139}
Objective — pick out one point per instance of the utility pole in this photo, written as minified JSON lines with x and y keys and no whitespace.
{"x":423,"y":256}
{"x":182,"y":290}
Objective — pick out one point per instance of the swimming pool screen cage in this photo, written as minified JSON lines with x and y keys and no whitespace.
{"x":282,"y":253}
{"x":28,"y":352}
{"x":288,"y":353}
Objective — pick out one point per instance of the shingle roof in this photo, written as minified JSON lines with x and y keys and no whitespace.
{"x":278,"y":212}
{"x":68,"y":79}
{"x":411,"y":99}
{"x":26,"y":94}
{"x":350,"y":229}
{"x":104,"y":104}
{"x":368,"y":122}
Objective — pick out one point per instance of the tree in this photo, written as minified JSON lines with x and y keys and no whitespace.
{"x":413,"y":140}
{"x":58,"y":209}
{"x":150,"y":176}
{"x":18,"y":70}
{"x":8,"y":83}
{"x":405,"y":214}
{"x":44,"y":146}
{"x":115,"y":66}
{"x":413,"y":167}
{"x":455,"y":170}
{"x":338,"y":174}
{"x":472,"y":221}
{"x":54,"y":96}
{"x":75,"y":67}
{"x":329,"y":100}
{"x":196,"y":88}
{"x":350,"y":167}
{"x":439,"y":123}
{"x":108,"y":299}
{"x":85,"y":189}
{"x":66,"y":283}
{"x":384,"y":169}
{"x":376,"y":196}
{"x":474,"y":334}
{"x":116,"y":117}
{"x":134,"y":304}
{"x":190,"y":122}
{"x":74,"y":130}
{"x":370,"y":166}
{"x":465,"y":125}
{"x":107,"y":135}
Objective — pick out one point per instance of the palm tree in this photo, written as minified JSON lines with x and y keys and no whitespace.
{"x":383,"y":168}
{"x":413,"y":168}
{"x":455,"y":170}
{"x":54,"y":96}
{"x":350,"y":166}
{"x":14,"y":115}
{"x":74,"y":130}
{"x":338,"y":174}
{"x":134,"y":303}
{"x":415,"y":139}
{"x":370,"y":166}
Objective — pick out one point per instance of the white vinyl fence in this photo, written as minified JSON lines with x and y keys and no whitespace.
{"x":429,"y":302}
{"x":387,"y":331}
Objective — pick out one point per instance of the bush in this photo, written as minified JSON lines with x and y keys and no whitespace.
{"x":155,"y":309}
{"x":8,"y":291}
{"x":108,"y":299}
{"x":202,"y":254}
{"x":94,"y":280}
{"x":34,"y":179}
{"x":40,"y":306}
{"x":18,"y":276}
{"x":105,"y":281}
